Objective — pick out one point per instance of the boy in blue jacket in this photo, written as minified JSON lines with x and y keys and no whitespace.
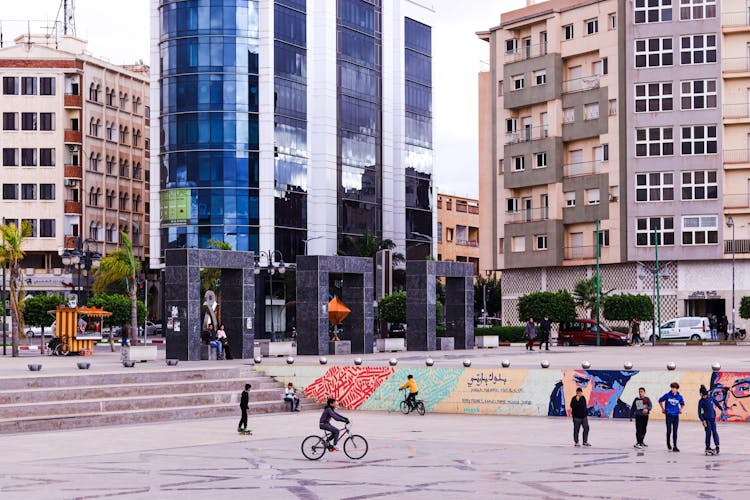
{"x":671,"y":405}
{"x":707,"y":415}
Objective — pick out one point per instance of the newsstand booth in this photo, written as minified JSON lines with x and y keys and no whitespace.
{"x":78,"y":328}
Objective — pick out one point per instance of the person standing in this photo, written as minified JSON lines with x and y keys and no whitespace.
{"x":712,"y":325}
{"x":579,"y":411}
{"x":707,"y":416}
{"x":672,"y":404}
{"x":530,"y":333}
{"x":545,"y":328}
{"x":721,"y":325}
{"x":244,"y":401}
{"x":290,"y":396}
{"x":635,"y":331}
{"x":640,"y":409}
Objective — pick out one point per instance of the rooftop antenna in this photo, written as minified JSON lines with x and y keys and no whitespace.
{"x":69,"y":20}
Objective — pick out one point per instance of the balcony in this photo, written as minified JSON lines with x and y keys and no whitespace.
{"x":467,"y":243}
{"x":73,"y":136}
{"x":735,"y":65}
{"x":70,"y":241}
{"x":735,"y":203}
{"x":528,"y":215}
{"x":73,"y":208}
{"x":736,"y":156}
{"x":73,"y":101}
{"x":74,"y":171}
{"x":580,"y":252}
{"x":737,"y":21}
{"x":581,"y":84}
{"x":737,"y":112}
{"x":527,"y":134}
{"x":582,"y":168}
{"x":524,"y":53}
{"x":740,"y":246}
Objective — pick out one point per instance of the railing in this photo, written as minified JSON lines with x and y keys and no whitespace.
{"x":462,"y":207}
{"x":740,"y":246}
{"x":582,"y":168}
{"x":739,"y":200}
{"x":736,"y":155}
{"x":580,"y":252}
{"x":74,"y":136}
{"x":528,"y":215}
{"x":527,"y":134}
{"x":473,"y":209}
{"x":735,"y":64}
{"x":738,"y":18}
{"x":73,"y":171}
{"x":581,"y":84}
{"x":73,"y":207}
{"x":523,"y":53}
{"x":72,"y":101}
{"x":467,"y":243}
{"x":737,"y":110}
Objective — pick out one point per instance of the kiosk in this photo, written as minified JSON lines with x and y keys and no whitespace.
{"x":77,"y":329}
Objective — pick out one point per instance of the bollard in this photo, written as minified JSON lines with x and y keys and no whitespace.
{"x":34,"y":367}
{"x":393,"y":361}
{"x":628,"y":365}
{"x":505,"y":363}
{"x":429,"y":361}
{"x":671,"y":366}
{"x":172,"y":362}
{"x":716,"y":366}
{"x":586,"y":365}
{"x":545,"y":363}
{"x":257,"y":360}
{"x":290,"y":360}
{"x":82,"y":365}
{"x":323,"y":360}
{"x":467,"y":363}
{"x":357,"y":361}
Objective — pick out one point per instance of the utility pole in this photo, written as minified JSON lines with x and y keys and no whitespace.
{"x":658,"y":290}
{"x":598,"y":288}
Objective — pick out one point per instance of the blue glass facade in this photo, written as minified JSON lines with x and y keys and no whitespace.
{"x":290,"y":126}
{"x":359,"y":42}
{"x":208,"y":51}
{"x":418,"y":158}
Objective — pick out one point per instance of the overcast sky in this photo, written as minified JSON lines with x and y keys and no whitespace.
{"x":122,"y":36}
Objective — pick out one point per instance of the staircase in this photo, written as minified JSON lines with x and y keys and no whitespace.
{"x":62,"y":402}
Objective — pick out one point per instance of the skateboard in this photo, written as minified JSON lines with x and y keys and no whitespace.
{"x":246,"y":433}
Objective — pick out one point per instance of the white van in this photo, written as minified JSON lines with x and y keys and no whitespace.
{"x":691,"y":327}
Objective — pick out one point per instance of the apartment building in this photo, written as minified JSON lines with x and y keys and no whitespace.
{"x":458,"y":229}
{"x":643,"y":104}
{"x":75,"y":160}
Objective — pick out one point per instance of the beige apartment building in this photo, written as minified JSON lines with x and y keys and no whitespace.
{"x":458,"y":229}
{"x":75,"y":154}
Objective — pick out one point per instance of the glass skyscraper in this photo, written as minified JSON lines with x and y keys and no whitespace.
{"x":291,"y":125}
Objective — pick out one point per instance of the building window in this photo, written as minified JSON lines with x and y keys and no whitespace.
{"x":94,"y":125}
{"x":110,"y":233}
{"x":440,"y":232}
{"x":518,"y":244}
{"x":592,"y":196}
{"x":137,"y":171}
{"x":110,"y":131}
{"x":570,"y":199}
{"x":649,"y":229}
{"x":654,"y":186}
{"x":592,"y":26}
{"x":10,"y":157}
{"x":653,"y":52}
{"x":698,"y":49}
{"x":136,"y":203}
{"x":612,"y":21}
{"x":10,"y":121}
{"x":94,"y":93}
{"x":511,"y":125}
{"x":591,"y":111}
{"x":567,"y":32}
{"x":511,"y":46}
{"x":654,"y":141}
{"x":700,"y":230}
{"x":10,"y":191}
{"x":603,"y":237}
{"x":699,"y":140}
{"x":28,"y":157}
{"x":500,"y":88}
{"x":569,"y":115}
{"x":518,"y":81}
{"x":512,"y":205}
{"x":28,"y":85}
{"x":700,"y":185}
{"x":540,"y":160}
{"x":46,"y":191}
{"x":46,"y":85}
{"x":46,"y":121}
{"x":32,"y":226}
{"x":124,"y":168}
{"x":110,"y":199}
{"x":653,"y":97}
{"x":47,"y":157}
{"x":123,"y":101}
{"x":697,"y":9}
{"x":612,"y":107}
{"x":28,"y":121}
{"x":110,"y":165}
{"x":449,"y":234}
{"x":698,"y":94}
{"x":652,"y":11}
{"x":519,"y":163}
{"x":46,"y":228}
{"x":10,"y":85}
{"x":28,"y":191}
{"x":540,"y":77}
{"x":540,"y":242}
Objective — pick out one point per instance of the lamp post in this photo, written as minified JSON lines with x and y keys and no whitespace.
{"x":730,"y":223}
{"x":271,"y":269}
{"x":308,"y":240}
{"x":5,"y":353}
{"x":83,"y":259}
{"x":598,"y":288}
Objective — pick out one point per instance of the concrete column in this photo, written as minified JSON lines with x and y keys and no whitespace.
{"x":420,"y":305}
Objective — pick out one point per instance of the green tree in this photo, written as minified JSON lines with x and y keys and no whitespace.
{"x":745,"y":307}
{"x":585,"y":295}
{"x":558,"y":306}
{"x":117,"y":266}
{"x":11,"y":253}
{"x":119,"y":305}
{"x":392,"y":308}
{"x":624,"y":307}
{"x":369,"y":244}
{"x":36,"y":311}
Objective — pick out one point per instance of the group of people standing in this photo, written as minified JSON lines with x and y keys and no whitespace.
{"x":719,"y":326}
{"x":542,"y":331}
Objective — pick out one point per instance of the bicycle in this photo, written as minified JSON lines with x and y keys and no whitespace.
{"x":58,"y":346}
{"x":314,"y":447}
{"x":406,"y":409}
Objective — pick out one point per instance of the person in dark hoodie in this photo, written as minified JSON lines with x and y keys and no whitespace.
{"x":545,"y":327}
{"x":325,"y":421}
{"x":579,"y":412}
{"x":640,"y":409}
{"x":672,"y":404}
{"x":244,"y":400}
{"x":707,"y":416}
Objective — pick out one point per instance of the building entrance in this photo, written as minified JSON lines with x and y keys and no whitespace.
{"x":705,"y":307}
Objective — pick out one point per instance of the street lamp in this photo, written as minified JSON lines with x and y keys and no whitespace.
{"x":730,"y":223}
{"x":308,"y":240}
{"x":83,"y":259}
{"x":657,"y":272}
{"x":2,"y":300}
{"x":271,"y":270}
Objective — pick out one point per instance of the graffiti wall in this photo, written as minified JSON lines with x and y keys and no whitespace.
{"x":501,"y":391}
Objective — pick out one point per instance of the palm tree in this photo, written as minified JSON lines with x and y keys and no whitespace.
{"x":369,"y":244}
{"x":584,"y":294}
{"x":11,"y":255}
{"x":121,"y":265}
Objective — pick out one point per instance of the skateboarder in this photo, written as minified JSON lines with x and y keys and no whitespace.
{"x":640,"y":409}
{"x":707,"y":415}
{"x":244,"y":399}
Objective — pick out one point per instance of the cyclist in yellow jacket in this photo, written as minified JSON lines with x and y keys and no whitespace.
{"x":413,"y":391}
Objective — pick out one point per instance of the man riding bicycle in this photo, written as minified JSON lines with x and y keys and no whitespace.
{"x":413,"y":391}
{"x":325,"y":421}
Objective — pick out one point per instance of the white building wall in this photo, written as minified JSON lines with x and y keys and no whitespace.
{"x":266,"y":125}
{"x":154,"y":194}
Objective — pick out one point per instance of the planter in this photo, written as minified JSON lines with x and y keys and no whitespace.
{"x":128,"y":364}
{"x":278,"y":349}
{"x":142,"y":353}
{"x":34,"y":367}
{"x":391,"y":345}
{"x":83,"y":365}
{"x":445,"y":343}
{"x":172,"y":362}
{"x":340,"y":347}
{"x":487,"y":341}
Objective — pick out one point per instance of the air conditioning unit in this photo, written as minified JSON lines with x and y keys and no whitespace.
{"x":70,"y":182}
{"x":57,"y":271}
{"x":73,"y":148}
{"x":612,"y":197}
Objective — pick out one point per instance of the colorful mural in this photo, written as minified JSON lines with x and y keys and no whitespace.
{"x":502,"y":391}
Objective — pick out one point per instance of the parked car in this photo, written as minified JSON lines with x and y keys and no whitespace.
{"x":689,"y":327}
{"x":397,"y":330}
{"x":36,"y":331}
{"x":151,"y":328}
{"x":583,"y":331}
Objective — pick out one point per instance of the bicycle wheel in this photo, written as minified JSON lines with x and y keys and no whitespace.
{"x":62,"y":349}
{"x":404,"y":408}
{"x":355,"y":446}
{"x":313,"y":447}
{"x":420,"y":407}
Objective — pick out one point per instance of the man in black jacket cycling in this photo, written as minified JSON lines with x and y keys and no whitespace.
{"x":325,"y":421}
